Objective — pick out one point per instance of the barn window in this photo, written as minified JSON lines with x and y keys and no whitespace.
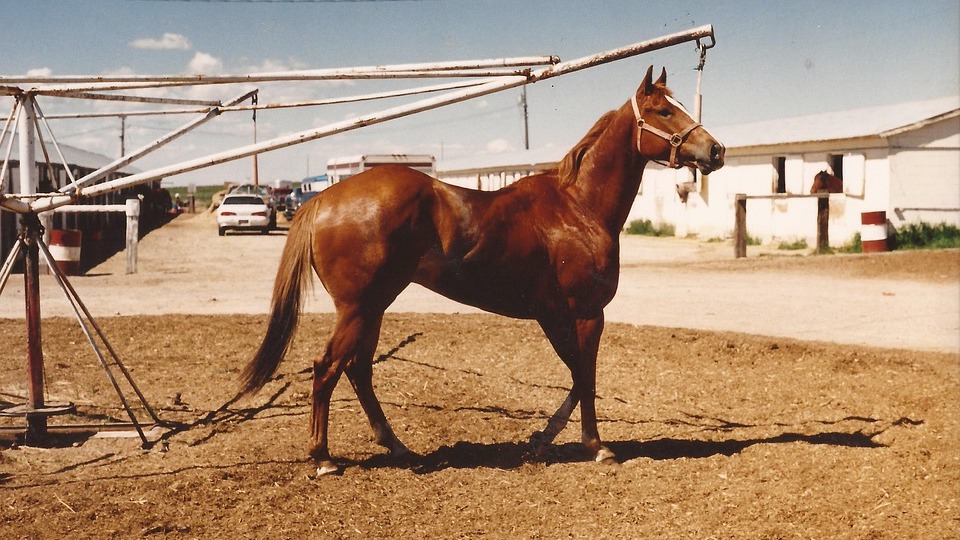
{"x":780,"y":163}
{"x":836,"y":163}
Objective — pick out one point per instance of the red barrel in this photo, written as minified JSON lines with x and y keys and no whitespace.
{"x":65,"y":248}
{"x":873,"y":231}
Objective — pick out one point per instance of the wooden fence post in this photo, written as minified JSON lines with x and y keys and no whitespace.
{"x":740,"y":227}
{"x":133,"y":233}
{"x":823,"y":223}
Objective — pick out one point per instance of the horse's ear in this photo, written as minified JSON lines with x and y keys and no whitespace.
{"x":662,"y":81}
{"x":646,"y":87}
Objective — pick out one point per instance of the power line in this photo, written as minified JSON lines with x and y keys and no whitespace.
{"x":276,"y":1}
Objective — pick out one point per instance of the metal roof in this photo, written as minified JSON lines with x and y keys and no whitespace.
{"x":880,"y":121}
{"x":74,"y":156}
{"x":538,"y":159}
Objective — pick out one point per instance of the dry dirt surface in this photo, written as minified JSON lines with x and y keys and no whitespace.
{"x":720,"y":434}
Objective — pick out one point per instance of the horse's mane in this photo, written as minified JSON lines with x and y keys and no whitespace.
{"x":569,"y":166}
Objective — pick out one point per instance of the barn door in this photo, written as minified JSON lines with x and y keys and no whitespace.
{"x":854,"y":174}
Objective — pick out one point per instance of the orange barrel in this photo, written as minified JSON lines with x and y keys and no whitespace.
{"x":873,"y":231}
{"x":65,"y":248}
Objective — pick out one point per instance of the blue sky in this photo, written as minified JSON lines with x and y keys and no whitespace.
{"x":772,"y":59}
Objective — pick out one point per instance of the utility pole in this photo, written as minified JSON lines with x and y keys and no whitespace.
{"x":256,"y":166}
{"x":123,"y":135}
{"x":526,"y":124}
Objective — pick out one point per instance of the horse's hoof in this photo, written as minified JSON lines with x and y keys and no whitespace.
{"x":326,"y":467}
{"x":400,"y":451}
{"x":538,"y":440}
{"x":407,"y":459}
{"x":606,"y":457}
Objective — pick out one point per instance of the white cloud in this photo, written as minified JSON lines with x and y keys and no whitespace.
{"x":169,"y":41}
{"x":206,"y":64}
{"x":497,"y":146}
{"x":40,"y":72}
{"x":121,"y":71}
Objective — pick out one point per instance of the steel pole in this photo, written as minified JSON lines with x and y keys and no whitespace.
{"x":36,"y":421}
{"x":30,"y":235}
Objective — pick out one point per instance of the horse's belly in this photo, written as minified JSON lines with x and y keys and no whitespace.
{"x":490,"y":290}
{"x":516,"y":293}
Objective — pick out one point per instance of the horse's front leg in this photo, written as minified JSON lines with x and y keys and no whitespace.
{"x":577,"y":343}
{"x":557,"y":422}
{"x":588,"y":337}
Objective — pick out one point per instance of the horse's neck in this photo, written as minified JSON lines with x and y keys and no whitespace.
{"x":610,"y":173}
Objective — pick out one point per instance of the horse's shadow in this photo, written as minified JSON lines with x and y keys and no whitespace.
{"x":513,"y":455}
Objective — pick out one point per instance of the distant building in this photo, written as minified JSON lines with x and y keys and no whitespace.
{"x":342,"y":168}
{"x":902,"y":159}
{"x":490,"y":172}
{"x":98,"y":229}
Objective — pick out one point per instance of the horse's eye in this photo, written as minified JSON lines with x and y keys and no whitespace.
{"x":665,"y":113}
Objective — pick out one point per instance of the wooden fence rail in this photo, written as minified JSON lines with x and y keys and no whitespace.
{"x":740,"y":221}
{"x":131,"y":209}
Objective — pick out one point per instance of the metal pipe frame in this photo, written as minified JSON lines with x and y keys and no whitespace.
{"x":429,"y":69}
{"x":51,"y":201}
{"x":286,"y":105}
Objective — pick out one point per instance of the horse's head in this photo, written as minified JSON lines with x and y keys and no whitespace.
{"x":825,"y":181}
{"x":676,"y":138}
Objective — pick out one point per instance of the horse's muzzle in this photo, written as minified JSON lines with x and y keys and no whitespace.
{"x":715,"y":159}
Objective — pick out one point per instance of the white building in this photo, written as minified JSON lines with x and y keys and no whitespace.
{"x":903,"y":159}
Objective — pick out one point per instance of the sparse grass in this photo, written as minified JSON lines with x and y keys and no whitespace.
{"x":923,"y":235}
{"x":853,"y":246}
{"x":645,"y":227}
{"x":918,"y":235}
{"x":794,"y":245}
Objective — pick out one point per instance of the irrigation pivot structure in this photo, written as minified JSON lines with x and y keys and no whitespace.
{"x":472,"y":79}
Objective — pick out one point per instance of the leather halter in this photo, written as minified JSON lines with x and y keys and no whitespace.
{"x":675,"y":140}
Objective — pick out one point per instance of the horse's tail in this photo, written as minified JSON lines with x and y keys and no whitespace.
{"x":292,"y":277}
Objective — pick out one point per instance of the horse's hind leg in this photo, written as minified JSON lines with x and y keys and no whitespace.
{"x":360,"y":373}
{"x":326,"y":373}
{"x":348,"y":341}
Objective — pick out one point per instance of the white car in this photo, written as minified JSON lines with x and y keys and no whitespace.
{"x":243,"y":211}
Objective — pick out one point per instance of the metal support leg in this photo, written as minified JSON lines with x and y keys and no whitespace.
{"x":30,"y":243}
{"x":36,"y":421}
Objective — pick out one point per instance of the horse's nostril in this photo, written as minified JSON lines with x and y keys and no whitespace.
{"x":716,"y":152}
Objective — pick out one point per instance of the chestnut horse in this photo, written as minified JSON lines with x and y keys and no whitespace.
{"x":544,"y":248}
{"x":824,"y":181}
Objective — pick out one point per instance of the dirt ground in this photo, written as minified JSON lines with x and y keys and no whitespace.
{"x":786,"y":428}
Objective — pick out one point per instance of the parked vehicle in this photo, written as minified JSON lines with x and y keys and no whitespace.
{"x":244,"y":212}
{"x":264,"y":192}
{"x":341,"y":168}
{"x":295,"y":200}
{"x":280,"y":198}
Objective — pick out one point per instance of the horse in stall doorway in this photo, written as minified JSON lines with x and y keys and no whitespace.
{"x":824,"y":181}
{"x":545,"y":248}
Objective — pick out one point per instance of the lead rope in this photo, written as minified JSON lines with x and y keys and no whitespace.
{"x":698,"y":98}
